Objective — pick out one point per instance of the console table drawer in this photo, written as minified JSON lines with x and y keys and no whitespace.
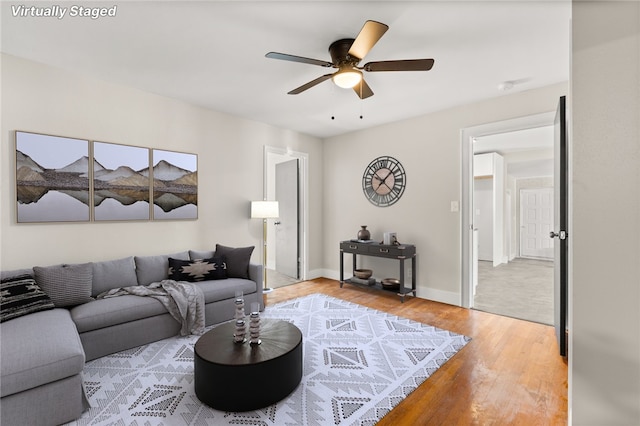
{"x":354,"y":247}
{"x":389,"y":251}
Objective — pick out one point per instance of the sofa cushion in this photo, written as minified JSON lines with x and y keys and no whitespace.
{"x":21,"y":296}
{"x":66,"y":285}
{"x":15,"y":273}
{"x":237,"y":260}
{"x":44,"y":347}
{"x":215,"y":291}
{"x":111,"y":311}
{"x":196,"y":254}
{"x":214,"y":268}
{"x":153,"y":269}
{"x":113,"y":274}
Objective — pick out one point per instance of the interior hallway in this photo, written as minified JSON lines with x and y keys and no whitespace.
{"x":522,"y":288}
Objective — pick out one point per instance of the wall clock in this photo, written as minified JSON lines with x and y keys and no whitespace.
{"x":383,"y":181}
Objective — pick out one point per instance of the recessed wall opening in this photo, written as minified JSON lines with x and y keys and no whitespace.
{"x":286,"y":181}
{"x":507,"y":214}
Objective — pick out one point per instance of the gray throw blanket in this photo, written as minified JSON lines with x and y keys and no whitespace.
{"x":183,"y":300}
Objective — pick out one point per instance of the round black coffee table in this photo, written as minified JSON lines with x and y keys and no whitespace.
{"x":243,"y":377}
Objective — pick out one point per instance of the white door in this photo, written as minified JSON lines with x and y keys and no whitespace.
{"x":536,"y":222}
{"x":287,"y":240}
{"x":483,"y":221}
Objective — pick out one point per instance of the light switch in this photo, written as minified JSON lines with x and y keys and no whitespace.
{"x":455,"y":207}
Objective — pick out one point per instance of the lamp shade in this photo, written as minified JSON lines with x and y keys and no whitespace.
{"x":347,"y":78}
{"x":264,"y":209}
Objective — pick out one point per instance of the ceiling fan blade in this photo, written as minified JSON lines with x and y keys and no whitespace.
{"x":310,"y":84}
{"x":369,"y":35}
{"x":363,"y":90}
{"x":293,"y":58}
{"x":401,"y":65}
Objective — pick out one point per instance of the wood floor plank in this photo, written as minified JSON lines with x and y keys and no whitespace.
{"x":510,"y":373}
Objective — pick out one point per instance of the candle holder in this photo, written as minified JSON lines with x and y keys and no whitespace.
{"x":254,"y":324}
{"x":239,"y":314}
{"x":239,"y":335}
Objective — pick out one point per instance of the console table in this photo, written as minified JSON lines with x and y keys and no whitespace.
{"x":400,"y":252}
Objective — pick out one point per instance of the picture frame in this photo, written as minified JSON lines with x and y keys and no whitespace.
{"x":175,"y":185}
{"x":52,"y":178}
{"x":121,"y":182}
{"x":63,"y":179}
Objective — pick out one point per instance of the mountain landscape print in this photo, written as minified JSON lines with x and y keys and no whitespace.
{"x":175,"y":185}
{"x":120,"y":189}
{"x":61,"y":179}
{"x":52,"y":178}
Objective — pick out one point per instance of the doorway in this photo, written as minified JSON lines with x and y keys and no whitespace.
{"x":286,"y":181}
{"x":513,"y":162}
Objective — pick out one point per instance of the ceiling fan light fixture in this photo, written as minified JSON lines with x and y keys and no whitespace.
{"x":347,"y":78}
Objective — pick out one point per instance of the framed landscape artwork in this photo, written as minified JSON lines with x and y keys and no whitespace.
{"x":175,"y":185}
{"x":60,"y":179}
{"x":121,"y":185}
{"x":52,"y":178}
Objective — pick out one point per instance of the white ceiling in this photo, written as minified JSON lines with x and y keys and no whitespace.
{"x":527,"y":153}
{"x":211,"y":53}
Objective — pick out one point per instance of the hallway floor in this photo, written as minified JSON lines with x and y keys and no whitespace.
{"x":522,"y":288}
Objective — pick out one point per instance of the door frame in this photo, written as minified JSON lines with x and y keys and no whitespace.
{"x":466,"y":212}
{"x":303,"y":200}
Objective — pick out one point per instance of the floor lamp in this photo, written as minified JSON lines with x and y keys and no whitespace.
{"x":264,"y":210}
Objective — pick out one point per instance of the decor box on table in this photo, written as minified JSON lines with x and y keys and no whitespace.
{"x":55,"y":318}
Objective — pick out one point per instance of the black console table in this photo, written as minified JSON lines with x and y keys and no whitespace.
{"x":400,"y":252}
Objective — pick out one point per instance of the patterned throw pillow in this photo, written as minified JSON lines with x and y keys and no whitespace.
{"x":21,"y":296}
{"x":66,"y":285}
{"x":197,"y":270}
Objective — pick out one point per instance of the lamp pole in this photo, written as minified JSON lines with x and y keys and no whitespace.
{"x":264,"y":255}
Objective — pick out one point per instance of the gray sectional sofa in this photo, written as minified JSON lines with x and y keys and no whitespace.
{"x":42,"y":354}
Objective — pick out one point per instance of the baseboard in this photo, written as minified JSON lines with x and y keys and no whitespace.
{"x":448,"y":297}
{"x":317,"y":273}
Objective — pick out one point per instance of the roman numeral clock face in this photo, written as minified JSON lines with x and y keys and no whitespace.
{"x":383,"y":181}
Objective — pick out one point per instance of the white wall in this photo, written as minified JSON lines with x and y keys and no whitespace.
{"x":43,"y":99}
{"x":605,"y":233}
{"x":429,"y":147}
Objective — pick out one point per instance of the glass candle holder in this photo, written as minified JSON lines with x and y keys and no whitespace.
{"x":239,"y":313}
{"x":254,"y":324}
{"x":239,"y":335}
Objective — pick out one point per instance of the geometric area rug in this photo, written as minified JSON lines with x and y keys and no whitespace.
{"x":358,"y":363}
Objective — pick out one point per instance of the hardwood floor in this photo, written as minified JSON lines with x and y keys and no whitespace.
{"x":508,"y":374}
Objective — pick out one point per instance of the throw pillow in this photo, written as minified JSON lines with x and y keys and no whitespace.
{"x":112,"y":274}
{"x":153,"y":269}
{"x":197,"y":270}
{"x":21,"y":296}
{"x":66,"y":285}
{"x":237,"y":260}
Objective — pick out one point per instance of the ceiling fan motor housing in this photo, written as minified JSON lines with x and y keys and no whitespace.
{"x":339,"y":51}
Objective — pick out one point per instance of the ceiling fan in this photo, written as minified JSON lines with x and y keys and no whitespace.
{"x":347,"y":53}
